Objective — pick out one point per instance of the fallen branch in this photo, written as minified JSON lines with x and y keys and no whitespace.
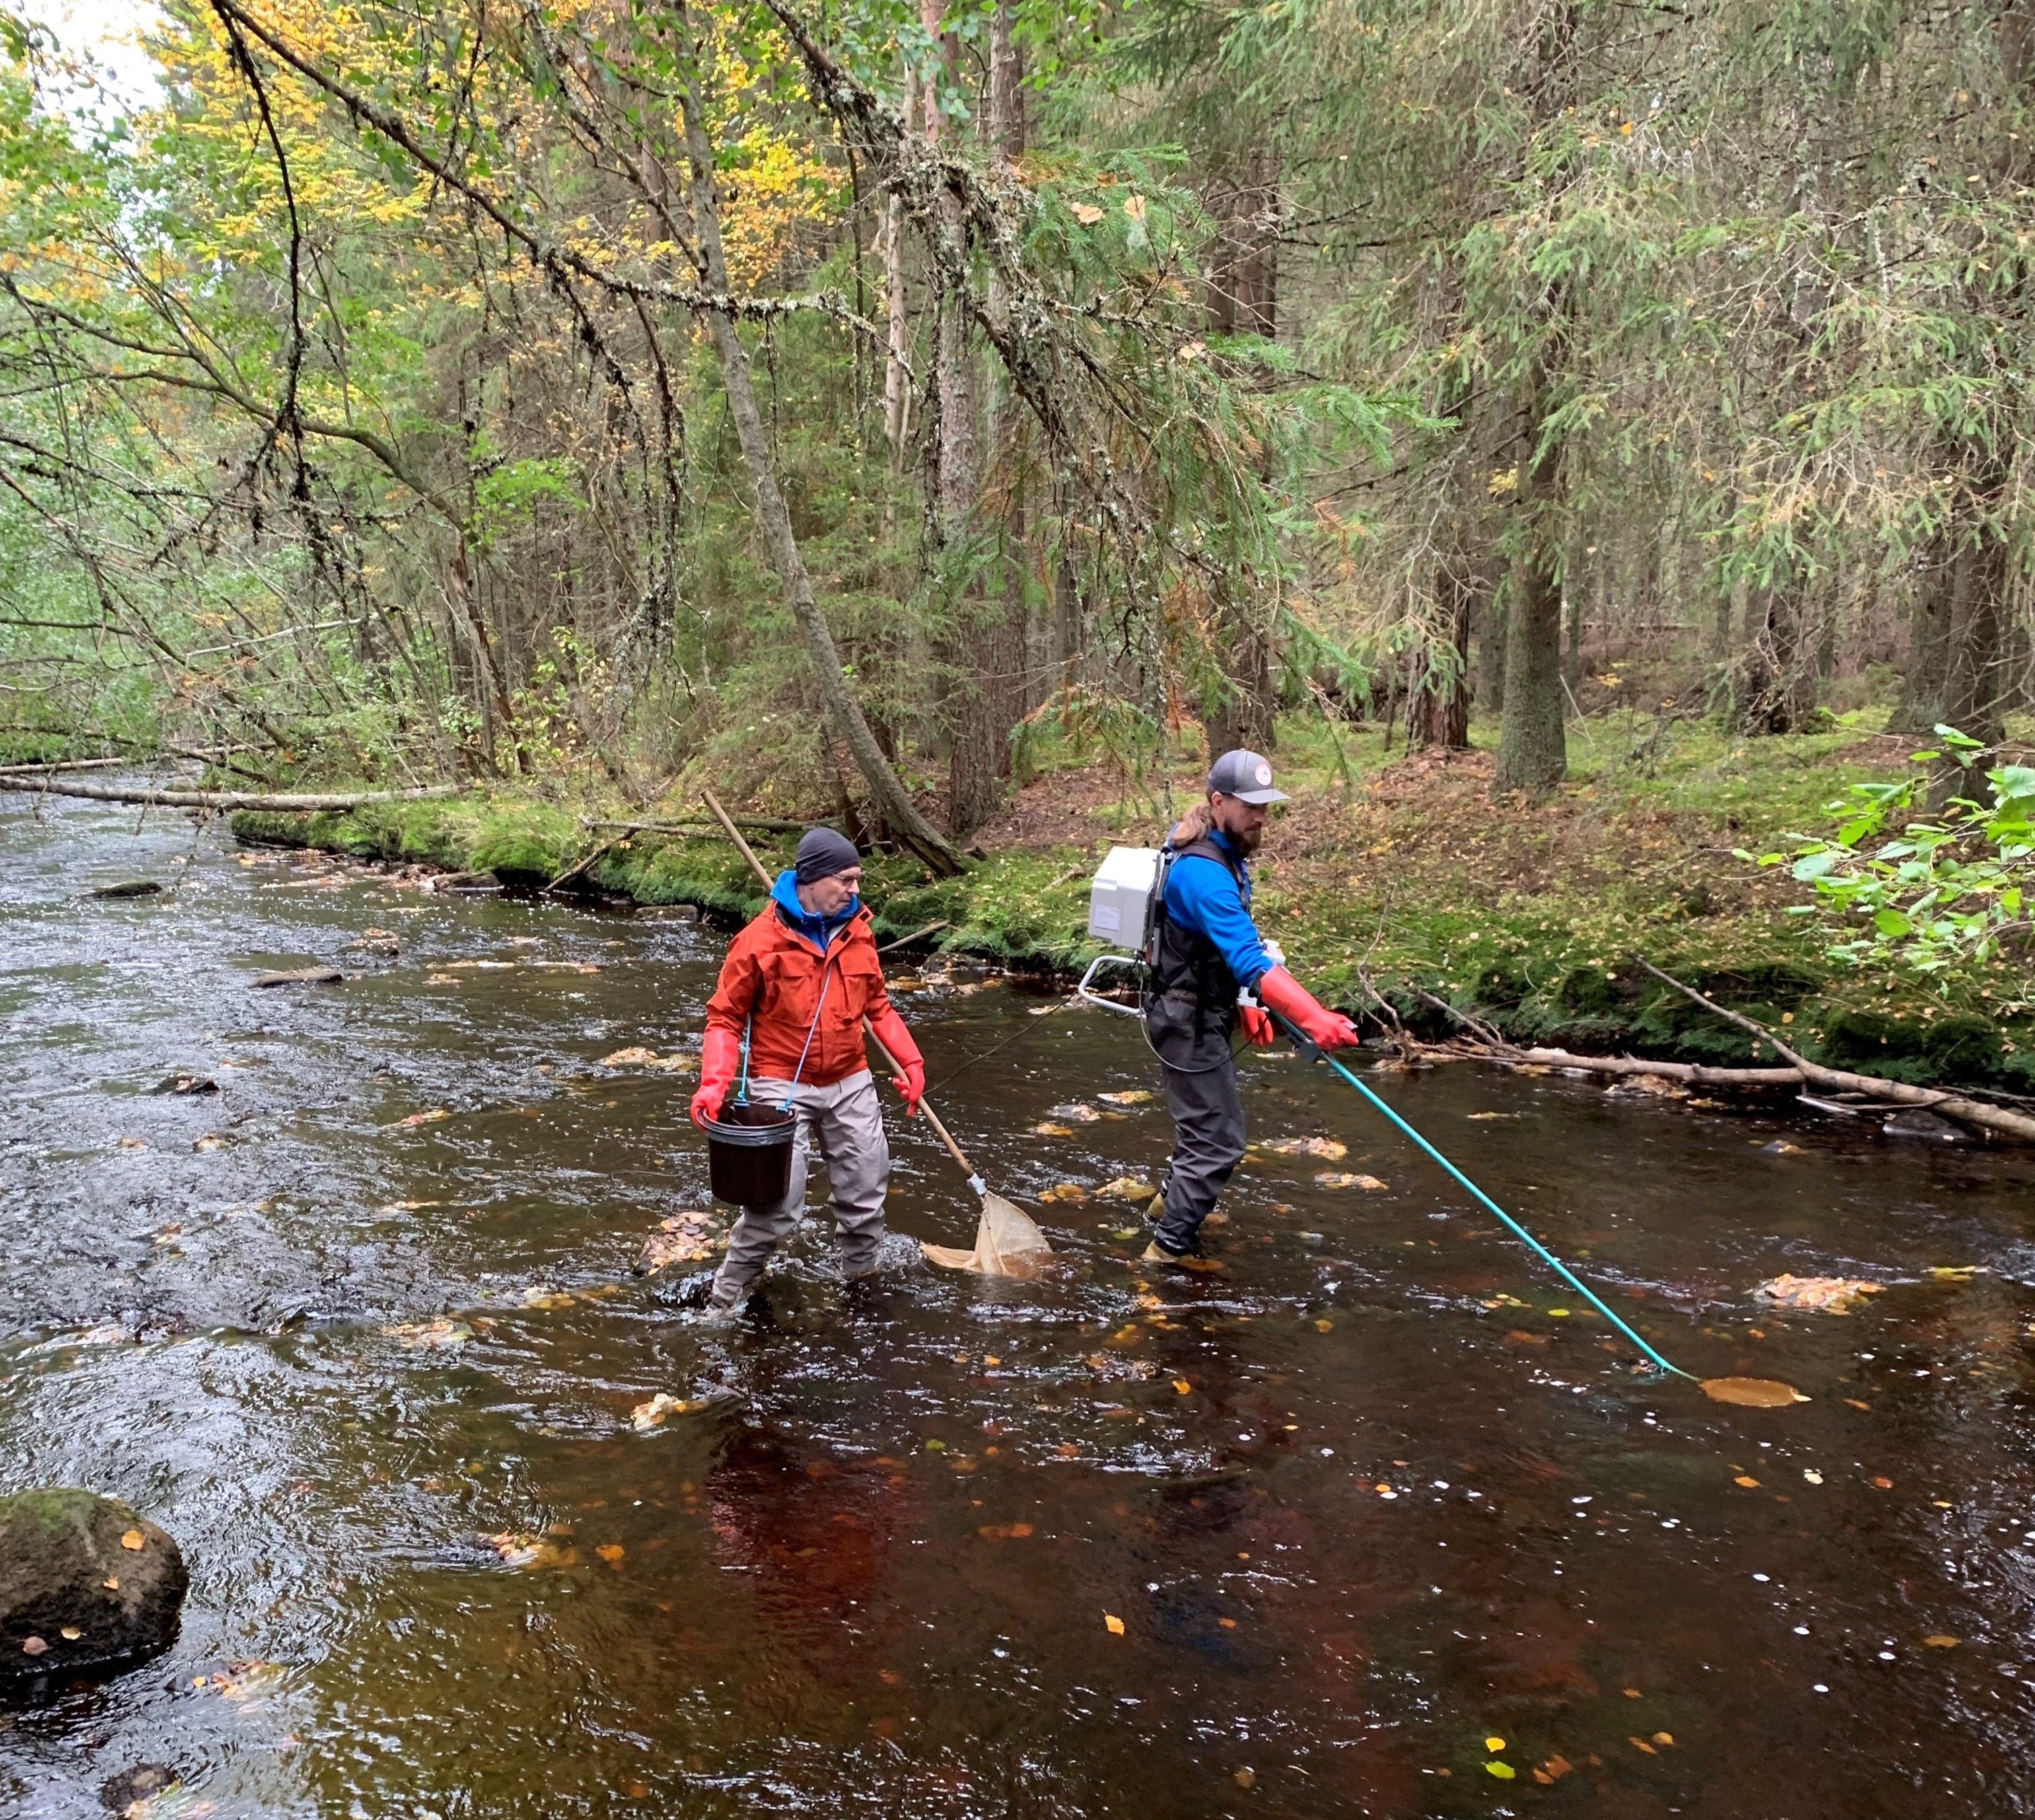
{"x":300,"y":803}
{"x":132,"y":763}
{"x":1968,"y":1111}
{"x":1693,"y":1074}
{"x":916,"y":935}
{"x":566,"y":878}
{"x":1476,"y":1026}
{"x":765,"y":824}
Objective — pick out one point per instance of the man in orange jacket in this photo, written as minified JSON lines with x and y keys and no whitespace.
{"x":799,"y":980}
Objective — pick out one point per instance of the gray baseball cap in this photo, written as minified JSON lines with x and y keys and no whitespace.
{"x":1245,"y":776}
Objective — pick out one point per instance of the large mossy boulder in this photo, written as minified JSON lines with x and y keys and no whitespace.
{"x":86,"y":1584}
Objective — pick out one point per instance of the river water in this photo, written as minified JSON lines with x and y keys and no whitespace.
{"x":1309,"y":1535}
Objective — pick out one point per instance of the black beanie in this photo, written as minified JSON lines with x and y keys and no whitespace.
{"x":822,"y":853}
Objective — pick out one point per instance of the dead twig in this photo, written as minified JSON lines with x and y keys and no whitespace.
{"x":1475,"y":1025}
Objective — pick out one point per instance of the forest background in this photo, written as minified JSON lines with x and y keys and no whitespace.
{"x":1585,"y":443}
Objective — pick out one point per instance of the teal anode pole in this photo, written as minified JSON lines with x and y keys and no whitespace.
{"x":1314,"y":1053}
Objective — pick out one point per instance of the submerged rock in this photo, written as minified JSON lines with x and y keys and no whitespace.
{"x":85,"y":1583}
{"x":1917,"y":1122}
{"x":128,"y":887}
{"x":301,"y":976}
{"x":132,"y":1787}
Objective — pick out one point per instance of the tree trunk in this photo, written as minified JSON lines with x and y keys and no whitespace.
{"x":895,"y":806}
{"x":1975,"y":675}
{"x":1777,"y":692}
{"x":897,"y":379}
{"x":1243,"y":716}
{"x":1243,"y":296}
{"x":1438,"y":702}
{"x":1491,"y":650}
{"x":1005,"y":692}
{"x":1533,"y":748}
{"x":974,"y":772}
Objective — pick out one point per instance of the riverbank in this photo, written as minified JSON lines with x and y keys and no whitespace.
{"x":1404,"y":872}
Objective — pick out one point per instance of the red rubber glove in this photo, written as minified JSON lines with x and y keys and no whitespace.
{"x":1294,"y":1003}
{"x":891,"y":1032}
{"x":1259,"y":1031}
{"x":720,"y":1055}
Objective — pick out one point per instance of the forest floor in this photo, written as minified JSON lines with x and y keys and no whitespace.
{"x":1404,"y":871}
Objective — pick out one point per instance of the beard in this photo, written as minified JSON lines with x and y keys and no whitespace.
{"x":1248,"y":840}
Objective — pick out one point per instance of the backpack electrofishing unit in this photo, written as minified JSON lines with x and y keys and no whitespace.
{"x":1127,"y":908}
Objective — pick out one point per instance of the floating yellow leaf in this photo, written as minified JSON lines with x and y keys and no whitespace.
{"x":611,"y":1552}
{"x":1750,"y":1484}
{"x":1504,"y":1772}
{"x":1048,"y":1128}
{"x":1065,"y":1191}
{"x":1489,"y":1743}
{"x":1131,"y":1096}
{"x":1939,"y":1642}
{"x":1182,"y":1386}
{"x":1753,"y":1393}
{"x":1664,"y":1738}
{"x":1113,"y":1624}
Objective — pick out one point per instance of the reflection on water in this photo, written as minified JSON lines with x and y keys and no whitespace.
{"x":1304,"y":1536}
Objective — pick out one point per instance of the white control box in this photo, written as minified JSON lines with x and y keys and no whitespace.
{"x":1117,"y":896}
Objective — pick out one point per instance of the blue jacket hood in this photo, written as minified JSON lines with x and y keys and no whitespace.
{"x":819,"y":930}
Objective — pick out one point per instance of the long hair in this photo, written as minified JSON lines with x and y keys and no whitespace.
{"x":1191,"y":826}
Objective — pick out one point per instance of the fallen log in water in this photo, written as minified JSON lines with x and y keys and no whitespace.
{"x":1978,"y":1112}
{"x":303,"y":801}
{"x":1691,"y":1073}
{"x":1489,"y":1045}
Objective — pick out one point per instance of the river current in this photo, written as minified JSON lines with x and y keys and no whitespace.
{"x":1374,"y":1519}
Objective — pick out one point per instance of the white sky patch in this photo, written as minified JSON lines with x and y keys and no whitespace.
{"x":108,"y":33}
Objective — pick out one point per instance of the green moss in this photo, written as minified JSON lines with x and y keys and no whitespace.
{"x":1528,"y":918}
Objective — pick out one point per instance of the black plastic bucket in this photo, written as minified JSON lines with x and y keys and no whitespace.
{"x":749,"y":1154}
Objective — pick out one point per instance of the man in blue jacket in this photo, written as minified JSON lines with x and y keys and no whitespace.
{"x":1209,"y":969}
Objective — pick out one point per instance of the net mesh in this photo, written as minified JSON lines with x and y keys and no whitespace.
{"x":1007,"y":1243}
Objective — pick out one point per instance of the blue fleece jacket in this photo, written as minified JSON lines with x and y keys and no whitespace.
{"x":1202,"y":895}
{"x":820,"y":931}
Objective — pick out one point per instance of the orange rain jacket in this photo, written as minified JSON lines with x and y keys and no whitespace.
{"x":774,"y":972}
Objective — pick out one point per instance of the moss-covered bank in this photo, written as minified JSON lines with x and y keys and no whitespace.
{"x":1406,"y":875}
